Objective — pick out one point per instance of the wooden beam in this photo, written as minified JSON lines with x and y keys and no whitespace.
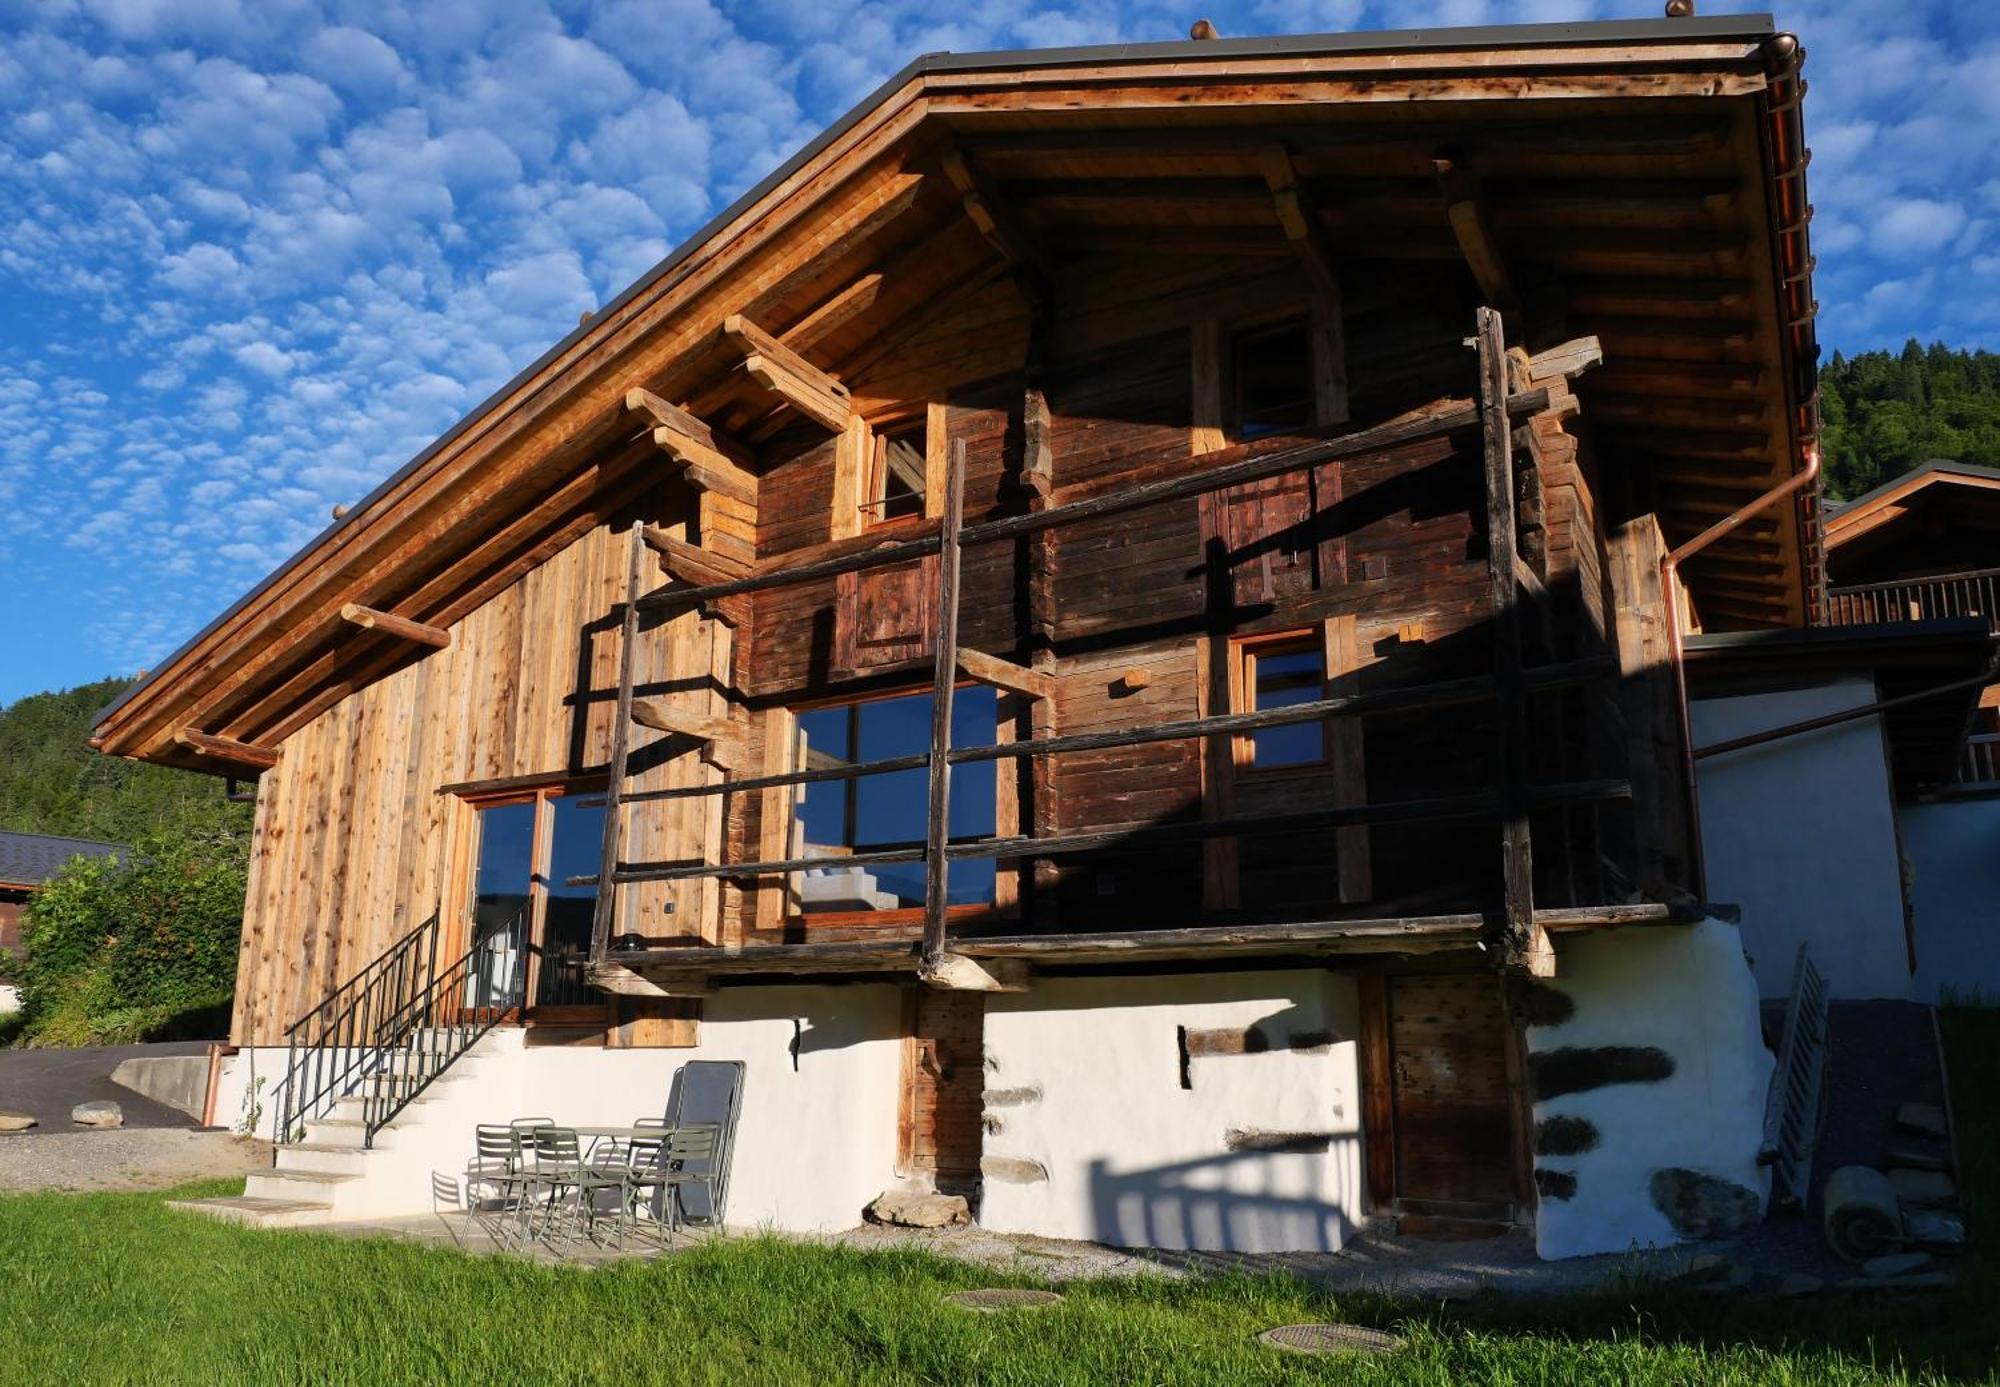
{"x":692,"y":564}
{"x":997,"y":222}
{"x":786,"y":374}
{"x":1005,"y":674}
{"x":938,"y":831}
{"x":856,"y":298}
{"x":370,"y":619}
{"x":1475,"y":235}
{"x":663,"y":716}
{"x":713,"y":463}
{"x":1295,"y":217}
{"x":227,"y":749}
{"x":604,"y":912}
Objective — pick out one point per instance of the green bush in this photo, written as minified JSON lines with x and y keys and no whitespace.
{"x":118,"y":950}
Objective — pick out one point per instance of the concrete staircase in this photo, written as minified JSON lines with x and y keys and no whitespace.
{"x":330,"y":1176}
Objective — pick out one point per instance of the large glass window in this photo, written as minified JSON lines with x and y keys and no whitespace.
{"x":528,"y":848}
{"x":1280,"y":674}
{"x":839,"y":818}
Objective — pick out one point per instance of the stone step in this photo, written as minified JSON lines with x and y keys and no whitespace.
{"x":338,"y":1131}
{"x":297,"y":1186}
{"x":257,"y":1212}
{"x":311,"y":1157}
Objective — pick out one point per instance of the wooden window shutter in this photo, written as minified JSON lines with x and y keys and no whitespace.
{"x":885,"y":617}
{"x":1268,"y":529}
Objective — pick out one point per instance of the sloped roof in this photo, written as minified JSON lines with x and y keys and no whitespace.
{"x":274,"y":658}
{"x":29,"y":859}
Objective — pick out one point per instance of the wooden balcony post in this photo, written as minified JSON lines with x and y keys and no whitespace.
{"x":945,"y":677}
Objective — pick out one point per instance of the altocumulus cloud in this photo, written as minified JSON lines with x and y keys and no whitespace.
{"x":260,"y":255}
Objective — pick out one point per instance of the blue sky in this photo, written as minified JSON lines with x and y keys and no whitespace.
{"x":254,"y":254}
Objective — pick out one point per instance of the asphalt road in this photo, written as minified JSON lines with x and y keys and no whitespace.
{"x":46,"y":1084}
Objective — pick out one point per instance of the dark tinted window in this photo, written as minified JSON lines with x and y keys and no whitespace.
{"x":1281,"y":676}
{"x":1272,"y":369}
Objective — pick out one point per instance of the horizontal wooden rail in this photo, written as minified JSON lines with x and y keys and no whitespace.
{"x":1414,"y":698}
{"x":1212,"y":477}
{"x":1474,"y":805}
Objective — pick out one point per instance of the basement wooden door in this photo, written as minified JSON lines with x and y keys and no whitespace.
{"x":1452,"y":1105}
{"x":944,"y":1081}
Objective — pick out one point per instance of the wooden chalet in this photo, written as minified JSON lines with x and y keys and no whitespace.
{"x":1192,"y":511}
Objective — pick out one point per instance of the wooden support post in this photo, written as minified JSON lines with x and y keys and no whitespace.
{"x":606,"y":910}
{"x":988,"y":212}
{"x":1037,"y":480}
{"x":228,"y":749}
{"x":1524,"y":943}
{"x":1350,"y":769}
{"x":1476,"y":241}
{"x":938,"y":828}
{"x":369,"y":619}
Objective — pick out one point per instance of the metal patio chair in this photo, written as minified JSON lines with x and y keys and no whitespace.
{"x":495,"y":1178}
{"x":684,"y":1159}
{"x":562,"y":1177}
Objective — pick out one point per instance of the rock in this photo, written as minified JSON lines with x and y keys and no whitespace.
{"x":1895,"y":1264}
{"x":1922,"y":1281}
{"x":1936,"y":1228}
{"x":1925,"y":1188}
{"x":1737,"y":1279}
{"x":919,"y":1209}
{"x":1700,"y":1205}
{"x":1800,"y":1283}
{"x":15,"y":1122}
{"x":99,"y":1112}
{"x":1927,"y":1118}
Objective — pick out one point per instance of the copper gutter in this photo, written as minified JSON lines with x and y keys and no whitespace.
{"x":1677,"y":640}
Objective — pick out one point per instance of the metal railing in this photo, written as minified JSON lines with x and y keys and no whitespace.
{"x":1975,"y":592}
{"x":388,"y":1031}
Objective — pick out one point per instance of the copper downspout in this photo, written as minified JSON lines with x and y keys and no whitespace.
{"x":1677,"y":644}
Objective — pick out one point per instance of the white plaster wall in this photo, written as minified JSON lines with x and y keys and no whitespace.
{"x":814,"y":1144}
{"x":1687,"y":991}
{"x":1954,"y":852}
{"x":1801,"y":833}
{"x":10,"y":999}
{"x":1134,"y":1159}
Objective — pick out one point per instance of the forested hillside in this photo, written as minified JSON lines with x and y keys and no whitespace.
{"x":1886,"y":412}
{"x":51,"y":782}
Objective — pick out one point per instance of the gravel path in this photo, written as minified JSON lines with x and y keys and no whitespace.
{"x":125,"y":1159}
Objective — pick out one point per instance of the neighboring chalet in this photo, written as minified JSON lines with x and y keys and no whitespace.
{"x":1113,"y":630}
{"x":27,"y":860}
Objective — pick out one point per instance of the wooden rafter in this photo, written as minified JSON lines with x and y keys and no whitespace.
{"x":998,"y":223}
{"x":712,"y":461}
{"x":789,"y":376}
{"x":1304,"y":235}
{"x":692,"y":564}
{"x":855,"y":299}
{"x":1474,"y":232}
{"x":370,"y":619}
{"x":228,"y":749}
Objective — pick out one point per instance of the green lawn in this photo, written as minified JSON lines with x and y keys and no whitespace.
{"x":112,"y":1288}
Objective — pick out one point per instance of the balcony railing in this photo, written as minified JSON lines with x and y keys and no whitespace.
{"x":1980,"y":766}
{"x":1974,"y":593}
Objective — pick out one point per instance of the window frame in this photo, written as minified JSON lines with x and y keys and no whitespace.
{"x":875,"y":470}
{"x":796,"y":918}
{"x":1244,"y":652}
{"x":541,"y":854}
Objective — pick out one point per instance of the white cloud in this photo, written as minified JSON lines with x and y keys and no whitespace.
{"x":1916,"y":226}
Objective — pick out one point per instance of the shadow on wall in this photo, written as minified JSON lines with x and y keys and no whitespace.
{"x":1228,"y":1203}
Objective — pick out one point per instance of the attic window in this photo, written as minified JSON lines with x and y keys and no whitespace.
{"x":1271,"y":368}
{"x":896,"y":474}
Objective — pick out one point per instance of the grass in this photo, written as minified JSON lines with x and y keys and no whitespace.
{"x":115,"y":1289}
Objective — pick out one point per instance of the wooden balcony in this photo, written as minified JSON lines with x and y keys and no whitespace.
{"x":1974,"y":593}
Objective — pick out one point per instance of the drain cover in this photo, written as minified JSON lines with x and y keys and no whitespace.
{"x":1329,"y":1338}
{"x":1002,"y":1298}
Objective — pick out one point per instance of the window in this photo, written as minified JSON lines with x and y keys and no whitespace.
{"x":1271,"y":372}
{"x":1280,"y":672}
{"x":530,"y":845}
{"x":896,"y":478}
{"x":840,"y":817}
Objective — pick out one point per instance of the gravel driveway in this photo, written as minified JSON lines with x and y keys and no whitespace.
{"x":143,"y":1159}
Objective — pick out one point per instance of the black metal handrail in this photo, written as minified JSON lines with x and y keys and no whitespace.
{"x":393,"y":1027}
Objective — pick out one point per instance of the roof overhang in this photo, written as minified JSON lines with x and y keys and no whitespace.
{"x":552,"y":453}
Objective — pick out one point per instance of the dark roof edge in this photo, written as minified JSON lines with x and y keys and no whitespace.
{"x":1743,"y":26}
{"x":1946,"y":630}
{"x":1931,"y":467}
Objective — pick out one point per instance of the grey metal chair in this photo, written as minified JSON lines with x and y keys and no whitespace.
{"x":562,"y":1177}
{"x":684,"y":1160}
{"x":496,"y":1177}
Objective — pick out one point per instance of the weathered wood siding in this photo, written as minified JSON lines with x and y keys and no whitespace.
{"x":354,"y":845}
